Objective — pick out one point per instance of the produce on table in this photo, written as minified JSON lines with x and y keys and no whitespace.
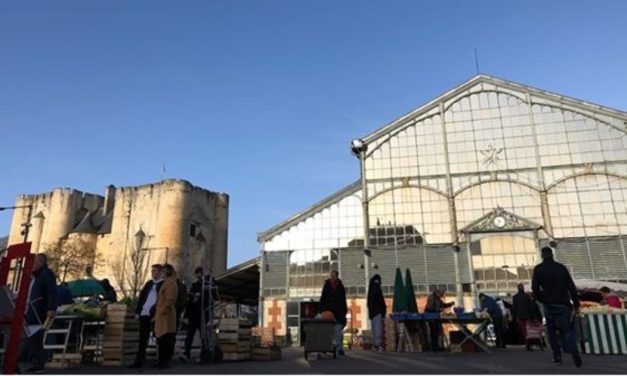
{"x":601,"y":309}
{"x":85,"y":311}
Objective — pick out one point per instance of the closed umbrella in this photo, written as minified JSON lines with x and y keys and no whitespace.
{"x":400,"y":295}
{"x":85,"y":287}
{"x":412,"y":307}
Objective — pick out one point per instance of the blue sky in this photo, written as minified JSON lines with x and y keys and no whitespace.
{"x":260,"y":99}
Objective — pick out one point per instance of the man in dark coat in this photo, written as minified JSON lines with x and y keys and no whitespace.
{"x":42,"y":304}
{"x":193,"y":310}
{"x":333,"y":299}
{"x":145,"y":312}
{"x":555,"y":289}
{"x":376,"y":311}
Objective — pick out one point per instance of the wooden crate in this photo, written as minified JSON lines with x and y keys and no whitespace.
{"x":121,"y":336}
{"x":236,"y":356}
{"x":63,"y":361}
{"x":389,"y":338}
{"x":264,"y":337}
{"x":266,"y":353}
{"x":234,"y":339}
{"x":115,"y":363}
{"x":243,"y":346}
{"x":68,"y":356}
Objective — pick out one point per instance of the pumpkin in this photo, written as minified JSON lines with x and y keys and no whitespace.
{"x":327,"y":315}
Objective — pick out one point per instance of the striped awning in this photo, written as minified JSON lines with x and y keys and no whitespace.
{"x":605,"y":333}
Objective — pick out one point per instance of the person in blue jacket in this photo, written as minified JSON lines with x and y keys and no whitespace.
{"x":490,"y":305}
{"x":42,"y":304}
{"x":64,"y":295}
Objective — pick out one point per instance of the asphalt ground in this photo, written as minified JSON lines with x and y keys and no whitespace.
{"x":359,"y":362}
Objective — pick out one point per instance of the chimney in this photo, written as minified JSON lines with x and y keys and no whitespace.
{"x":109,"y":199}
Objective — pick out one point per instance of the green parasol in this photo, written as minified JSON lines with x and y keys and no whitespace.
{"x":412,"y":307}
{"x":400,"y":296}
{"x":85,"y":287}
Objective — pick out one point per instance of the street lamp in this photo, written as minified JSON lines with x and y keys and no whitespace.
{"x":359,"y":149}
{"x":26,"y":225}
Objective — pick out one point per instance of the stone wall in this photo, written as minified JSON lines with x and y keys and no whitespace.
{"x":176,"y":222}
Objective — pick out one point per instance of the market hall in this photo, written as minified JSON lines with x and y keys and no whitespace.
{"x":463,"y":191}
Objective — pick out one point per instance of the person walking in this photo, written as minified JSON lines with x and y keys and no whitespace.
{"x":165,"y":317}
{"x":145,"y":312}
{"x":490,"y":305}
{"x":333,"y":299}
{"x":524,"y":310}
{"x":193,"y":312}
{"x":435,"y":304}
{"x":41,"y":305}
{"x":554,"y":288}
{"x":376,"y":311}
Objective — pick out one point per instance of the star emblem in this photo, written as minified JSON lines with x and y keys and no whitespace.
{"x":491,"y":155}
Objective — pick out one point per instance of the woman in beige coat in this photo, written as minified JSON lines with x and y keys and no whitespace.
{"x":165,"y":317}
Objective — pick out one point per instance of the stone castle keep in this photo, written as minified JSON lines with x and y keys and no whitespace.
{"x":172,"y":220}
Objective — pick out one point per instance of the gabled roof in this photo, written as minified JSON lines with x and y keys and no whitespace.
{"x":94,"y":223}
{"x":482,"y":78}
{"x":509,"y":222}
{"x":85,"y":226}
{"x":337,"y":196}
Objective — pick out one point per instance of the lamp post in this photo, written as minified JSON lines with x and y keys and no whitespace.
{"x":25,"y":229}
{"x":359,"y":149}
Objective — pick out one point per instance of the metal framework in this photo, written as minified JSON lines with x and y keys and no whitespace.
{"x":209,"y":301}
{"x":17,"y":252}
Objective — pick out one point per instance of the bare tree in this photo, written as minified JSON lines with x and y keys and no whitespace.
{"x":131,"y":272}
{"x":138,"y":266}
{"x":70,"y":258}
{"x":117,"y":269}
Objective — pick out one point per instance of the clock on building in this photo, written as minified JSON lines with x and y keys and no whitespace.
{"x":499,"y":221}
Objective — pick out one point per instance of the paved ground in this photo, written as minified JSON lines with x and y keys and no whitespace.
{"x":510,"y":361}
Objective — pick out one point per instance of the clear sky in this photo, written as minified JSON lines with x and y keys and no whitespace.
{"x":260,"y":99}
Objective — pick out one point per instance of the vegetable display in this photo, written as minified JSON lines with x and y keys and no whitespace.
{"x":88,"y":312}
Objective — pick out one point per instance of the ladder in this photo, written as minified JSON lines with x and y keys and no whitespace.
{"x":65,"y":330}
{"x":209,"y":300}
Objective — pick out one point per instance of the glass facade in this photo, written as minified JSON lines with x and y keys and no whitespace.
{"x":308,"y":269}
{"x":501,"y":262}
{"x":489,"y":144}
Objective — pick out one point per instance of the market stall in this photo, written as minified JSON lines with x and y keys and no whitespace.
{"x":604,"y":330}
{"x":471,"y":325}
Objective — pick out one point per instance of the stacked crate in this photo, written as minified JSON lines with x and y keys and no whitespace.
{"x":263,"y":337}
{"x":181,"y":335}
{"x":389,"y":334}
{"x":264,"y":347}
{"x":121,"y":336}
{"x":63,"y":361}
{"x":234,"y":337}
{"x":367,"y":342}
